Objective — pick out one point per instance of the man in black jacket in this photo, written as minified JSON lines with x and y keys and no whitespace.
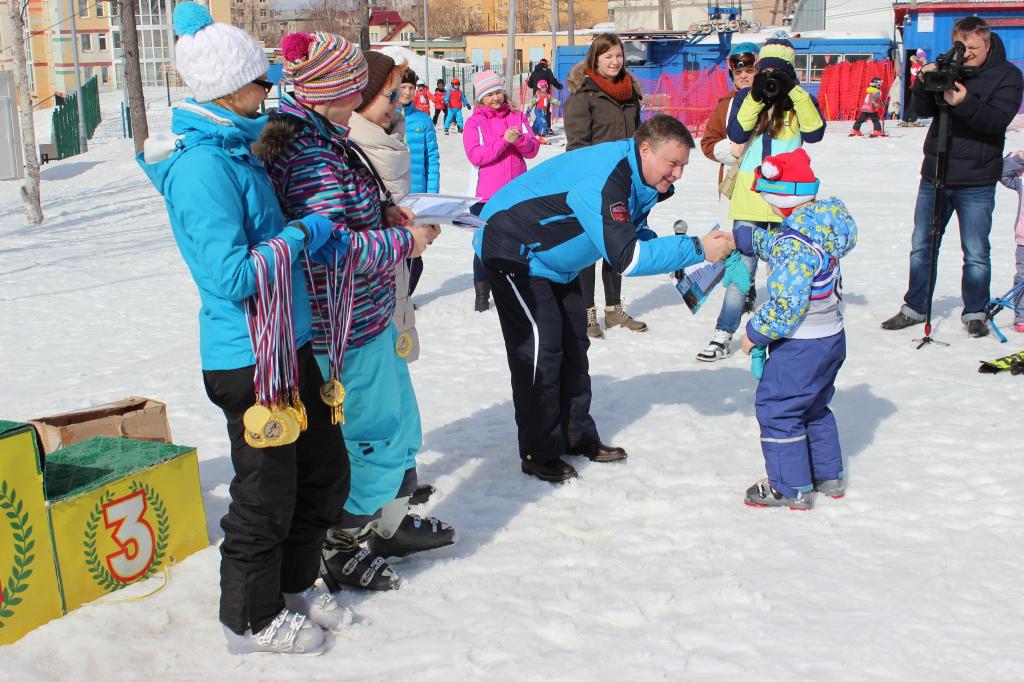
{"x":542,"y":72}
{"x":981,"y":108}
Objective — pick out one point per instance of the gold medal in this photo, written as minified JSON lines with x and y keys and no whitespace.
{"x":254,"y":439}
{"x":403,"y":346}
{"x":255,"y":418}
{"x":300,"y":408}
{"x":332,"y":393}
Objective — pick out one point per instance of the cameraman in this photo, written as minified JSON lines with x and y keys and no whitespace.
{"x":982,"y":105}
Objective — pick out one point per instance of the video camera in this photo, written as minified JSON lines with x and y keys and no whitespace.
{"x":949,"y":69}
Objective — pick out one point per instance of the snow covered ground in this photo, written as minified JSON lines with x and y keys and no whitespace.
{"x":643,"y":571}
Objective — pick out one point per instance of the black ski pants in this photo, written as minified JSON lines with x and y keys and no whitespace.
{"x":865,"y":115}
{"x":282,"y":500}
{"x":545,"y":329}
{"x":440,"y":113}
{"x":611,"y":280}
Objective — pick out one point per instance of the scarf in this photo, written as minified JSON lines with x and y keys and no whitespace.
{"x":620,"y":92}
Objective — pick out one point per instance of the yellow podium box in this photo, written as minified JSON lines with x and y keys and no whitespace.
{"x":101,"y":514}
{"x":121,"y":511}
{"x":29,"y":593}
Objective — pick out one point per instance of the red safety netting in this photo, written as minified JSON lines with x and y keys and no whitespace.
{"x":690,"y":96}
{"x":843,"y":85}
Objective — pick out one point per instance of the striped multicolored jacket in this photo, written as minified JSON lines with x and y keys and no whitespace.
{"x":316,"y":172}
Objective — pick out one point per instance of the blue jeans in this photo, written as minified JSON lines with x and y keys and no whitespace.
{"x":732,"y":304}
{"x":973,"y":207}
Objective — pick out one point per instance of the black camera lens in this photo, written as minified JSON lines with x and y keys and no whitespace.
{"x":771,"y":88}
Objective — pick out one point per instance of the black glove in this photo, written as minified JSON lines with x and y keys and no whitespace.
{"x":757,"y":89}
{"x":785,"y":81}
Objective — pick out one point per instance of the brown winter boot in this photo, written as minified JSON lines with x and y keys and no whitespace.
{"x":593,"y":328}
{"x":615,"y":316}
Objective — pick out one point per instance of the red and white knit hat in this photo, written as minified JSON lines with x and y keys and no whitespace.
{"x":323,"y":67}
{"x":786,"y":180}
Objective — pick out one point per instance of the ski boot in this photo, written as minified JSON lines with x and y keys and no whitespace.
{"x":615,"y":316}
{"x":833,"y":487}
{"x":718,"y":347}
{"x":483,"y":295}
{"x":762,"y":494}
{"x":346,"y":562}
{"x":288,"y":633}
{"x":593,"y":328}
{"x":853,"y":133}
{"x":319,"y":606}
{"x":421,"y":494}
{"x":397,"y":533}
{"x":879,"y":133}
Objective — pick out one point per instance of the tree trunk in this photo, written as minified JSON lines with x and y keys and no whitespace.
{"x":30,"y":190}
{"x":133,"y":74}
{"x":364,"y":24}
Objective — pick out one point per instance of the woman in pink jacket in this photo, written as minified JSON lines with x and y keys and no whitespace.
{"x":497,"y":141}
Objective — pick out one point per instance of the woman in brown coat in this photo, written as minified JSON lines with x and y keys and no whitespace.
{"x":603,"y":106}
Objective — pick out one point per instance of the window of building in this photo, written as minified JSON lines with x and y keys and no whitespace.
{"x":117,"y":40}
{"x":114,"y":8}
{"x":83,"y":8}
{"x":102,"y":39}
{"x":104,"y":73}
{"x":800,"y":65}
{"x":263,"y":27}
{"x":263,"y":12}
{"x":856,"y":58}
{"x":86,"y":40}
{"x":99,"y":9}
{"x":819,"y":62}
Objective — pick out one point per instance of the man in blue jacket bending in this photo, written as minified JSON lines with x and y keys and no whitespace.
{"x":542,"y":229}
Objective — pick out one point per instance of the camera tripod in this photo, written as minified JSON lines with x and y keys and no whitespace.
{"x":938,"y":228}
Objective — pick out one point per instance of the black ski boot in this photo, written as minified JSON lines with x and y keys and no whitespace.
{"x":421,"y":494}
{"x":414,"y":534}
{"x":346,"y":562}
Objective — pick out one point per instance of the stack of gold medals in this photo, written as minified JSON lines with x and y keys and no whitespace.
{"x":278,"y":417}
{"x":339,"y":294}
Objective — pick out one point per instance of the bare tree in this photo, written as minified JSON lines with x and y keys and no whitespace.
{"x":30,"y":190}
{"x":133,"y":74}
{"x":364,"y":24}
{"x":450,"y":18}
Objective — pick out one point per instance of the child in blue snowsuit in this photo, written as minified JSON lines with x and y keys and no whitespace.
{"x":801,"y":326}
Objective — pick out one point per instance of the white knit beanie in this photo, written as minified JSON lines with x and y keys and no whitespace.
{"x":214,"y":59}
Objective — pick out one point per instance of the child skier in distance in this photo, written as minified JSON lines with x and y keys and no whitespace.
{"x":440,"y":110}
{"x":497,"y":142}
{"x":542,"y":103}
{"x":801,"y":327}
{"x":869,"y":109}
{"x":421,"y":100}
{"x":1013,"y":169}
{"x":454,"y":100}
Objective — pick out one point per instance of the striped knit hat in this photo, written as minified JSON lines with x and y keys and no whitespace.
{"x":323,"y":67}
{"x":777,"y":53}
{"x":486,"y":82}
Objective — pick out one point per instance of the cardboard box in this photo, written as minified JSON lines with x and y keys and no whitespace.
{"x":136,"y":418}
{"x":29,"y":591}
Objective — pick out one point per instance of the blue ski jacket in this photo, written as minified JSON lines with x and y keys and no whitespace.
{"x":576,"y":208}
{"x":421,"y":139}
{"x":221,"y":204}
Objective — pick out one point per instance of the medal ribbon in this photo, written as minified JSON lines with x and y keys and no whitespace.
{"x":272,"y":327}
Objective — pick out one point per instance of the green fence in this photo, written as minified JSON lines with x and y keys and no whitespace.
{"x":65,"y":120}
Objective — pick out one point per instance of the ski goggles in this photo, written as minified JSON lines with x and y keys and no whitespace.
{"x":800,"y":189}
{"x":735,"y":61}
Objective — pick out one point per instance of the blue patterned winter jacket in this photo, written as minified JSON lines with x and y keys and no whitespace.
{"x":421,"y":139}
{"x":804,"y":278}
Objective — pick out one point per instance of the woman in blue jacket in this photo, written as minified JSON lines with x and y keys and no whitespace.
{"x":221,"y":204}
{"x":424,"y":160}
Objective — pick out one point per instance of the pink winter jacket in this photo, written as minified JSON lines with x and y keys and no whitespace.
{"x":497,"y":161}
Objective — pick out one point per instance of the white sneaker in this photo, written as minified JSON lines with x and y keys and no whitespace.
{"x":288,"y":633}
{"x":319,"y":606}
{"x":717,"y":348}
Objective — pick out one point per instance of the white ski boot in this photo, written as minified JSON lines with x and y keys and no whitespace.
{"x":319,"y":606}
{"x":717,"y":348}
{"x":288,"y":633}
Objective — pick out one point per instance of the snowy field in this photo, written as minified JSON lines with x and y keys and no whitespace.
{"x":650,"y":570}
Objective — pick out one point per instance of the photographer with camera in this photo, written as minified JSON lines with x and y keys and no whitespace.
{"x":982,"y":92}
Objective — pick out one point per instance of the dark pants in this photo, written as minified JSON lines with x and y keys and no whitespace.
{"x":440,"y":113}
{"x":865,"y":115}
{"x":973,"y":207}
{"x":545,"y":329}
{"x":282,"y":500}
{"x":612,"y":284}
{"x":799,"y":436}
{"x":415,"y":272}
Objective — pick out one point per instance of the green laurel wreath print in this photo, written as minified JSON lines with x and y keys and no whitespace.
{"x":17,"y":581}
{"x":99,"y":573}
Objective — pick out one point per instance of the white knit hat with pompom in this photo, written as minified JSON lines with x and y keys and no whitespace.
{"x":214,"y":59}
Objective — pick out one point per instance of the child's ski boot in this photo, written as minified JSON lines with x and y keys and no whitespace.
{"x":855,"y":133}
{"x":762,"y":494}
{"x":834,"y":487}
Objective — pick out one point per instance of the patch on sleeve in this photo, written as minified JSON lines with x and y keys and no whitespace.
{"x":619,"y":212}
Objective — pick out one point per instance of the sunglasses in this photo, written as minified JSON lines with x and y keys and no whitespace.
{"x":266,"y":85}
{"x":744,"y":59}
{"x":392,"y":96}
